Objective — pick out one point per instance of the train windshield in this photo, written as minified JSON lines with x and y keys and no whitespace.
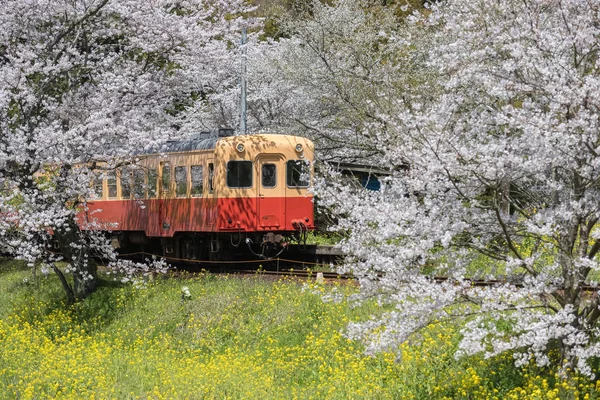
{"x":239,"y":174}
{"x":298,"y":173}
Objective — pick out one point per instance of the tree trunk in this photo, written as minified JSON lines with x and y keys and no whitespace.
{"x":85,"y":282}
{"x":83,"y":266}
{"x":65,"y":284}
{"x":572,"y":295}
{"x":505,"y":196}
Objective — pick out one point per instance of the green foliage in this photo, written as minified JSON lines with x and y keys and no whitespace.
{"x":322,"y":238}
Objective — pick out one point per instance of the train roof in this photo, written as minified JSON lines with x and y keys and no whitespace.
{"x":202,"y":141}
{"x":176,"y":146}
{"x":199,"y":141}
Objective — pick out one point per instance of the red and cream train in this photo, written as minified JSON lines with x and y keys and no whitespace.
{"x":205,"y":197}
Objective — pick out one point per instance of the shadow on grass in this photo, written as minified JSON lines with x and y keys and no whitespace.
{"x":34,"y":299}
{"x":8,"y":264}
{"x":100,"y":308}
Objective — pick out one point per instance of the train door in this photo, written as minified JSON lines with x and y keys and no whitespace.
{"x":210,"y":207}
{"x":164,"y":217}
{"x":271,"y":192}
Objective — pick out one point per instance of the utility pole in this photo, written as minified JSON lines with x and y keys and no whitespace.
{"x":243,"y":85}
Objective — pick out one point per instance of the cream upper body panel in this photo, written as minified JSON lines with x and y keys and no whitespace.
{"x":164,"y":173}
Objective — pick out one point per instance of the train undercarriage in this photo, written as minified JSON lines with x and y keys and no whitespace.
{"x":209,"y":246}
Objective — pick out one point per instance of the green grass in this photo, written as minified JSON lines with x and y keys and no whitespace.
{"x":235,"y":338}
{"x":322,"y":238}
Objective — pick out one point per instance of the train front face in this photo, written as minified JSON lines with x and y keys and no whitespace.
{"x":267,"y":181}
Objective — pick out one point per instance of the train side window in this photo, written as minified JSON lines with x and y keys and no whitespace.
{"x":138,"y":184}
{"x":297,"y":173}
{"x":211,"y":177}
{"x":111,"y":181}
{"x":269,"y":175}
{"x":152,"y":181}
{"x":98,"y":187}
{"x":197,"y":184}
{"x":181,"y":181}
{"x":166,"y":178}
{"x":126,"y":182}
{"x":239,"y":174}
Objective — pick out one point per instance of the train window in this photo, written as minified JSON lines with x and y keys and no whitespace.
{"x":211,"y":177}
{"x":166,"y":178}
{"x":138,"y":183}
{"x":111,"y":181}
{"x":181,"y":181}
{"x":197,"y":186}
{"x":98,"y":187}
{"x":126,"y":182}
{"x":269,"y":175}
{"x":152,"y":180}
{"x":297,"y":173}
{"x":239,"y":174}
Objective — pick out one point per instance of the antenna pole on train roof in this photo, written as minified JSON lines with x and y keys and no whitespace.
{"x":243,"y":85}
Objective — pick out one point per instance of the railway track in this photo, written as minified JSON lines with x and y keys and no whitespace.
{"x":304,"y":262}
{"x":297,"y":274}
{"x":315,"y":262}
{"x":296,"y":257}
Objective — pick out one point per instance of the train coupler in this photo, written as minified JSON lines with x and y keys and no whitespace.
{"x":273,"y":238}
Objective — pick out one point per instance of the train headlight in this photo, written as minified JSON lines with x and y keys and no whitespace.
{"x":239,"y":147}
{"x":299,"y":148}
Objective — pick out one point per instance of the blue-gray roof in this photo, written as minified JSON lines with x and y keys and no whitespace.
{"x":198,"y":141}
{"x":189,"y":145}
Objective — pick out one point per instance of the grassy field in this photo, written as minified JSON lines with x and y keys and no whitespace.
{"x":237,"y":338}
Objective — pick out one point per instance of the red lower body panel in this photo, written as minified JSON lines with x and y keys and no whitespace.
{"x":165,"y":217}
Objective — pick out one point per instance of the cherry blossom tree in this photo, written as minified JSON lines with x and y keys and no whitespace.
{"x":323,"y":74}
{"x":83,"y":85}
{"x":327,"y":74}
{"x":494,"y":172}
